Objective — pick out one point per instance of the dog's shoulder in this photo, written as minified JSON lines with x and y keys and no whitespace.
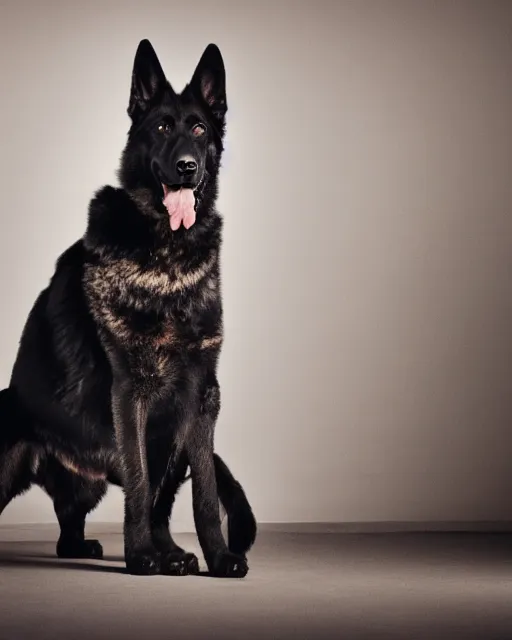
{"x":67,"y":275}
{"x":114,"y":221}
{"x":72,"y":258}
{"x":108,"y":204}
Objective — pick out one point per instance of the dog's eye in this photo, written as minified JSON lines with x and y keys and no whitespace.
{"x":164,"y":127}
{"x":198,"y":130}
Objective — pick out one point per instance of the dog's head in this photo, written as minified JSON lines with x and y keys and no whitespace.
{"x":175,"y":141}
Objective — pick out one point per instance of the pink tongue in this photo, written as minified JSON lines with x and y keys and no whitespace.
{"x":180,"y":206}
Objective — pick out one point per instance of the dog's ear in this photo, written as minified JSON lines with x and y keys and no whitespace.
{"x":148,"y":79}
{"x":209,"y":81}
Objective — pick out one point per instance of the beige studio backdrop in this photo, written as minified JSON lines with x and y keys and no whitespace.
{"x":367,"y":191}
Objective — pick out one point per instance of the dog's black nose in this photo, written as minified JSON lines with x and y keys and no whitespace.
{"x":186,"y":166}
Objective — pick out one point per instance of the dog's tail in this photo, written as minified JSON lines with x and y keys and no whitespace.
{"x":241,"y":521}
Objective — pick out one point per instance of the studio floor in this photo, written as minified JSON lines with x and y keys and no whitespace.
{"x":314,"y":586}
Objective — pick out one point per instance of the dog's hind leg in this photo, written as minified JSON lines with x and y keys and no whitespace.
{"x":16,"y":455}
{"x":15,"y":472}
{"x":73,"y":498}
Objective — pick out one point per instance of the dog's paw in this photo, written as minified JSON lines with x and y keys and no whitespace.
{"x":143,"y":564}
{"x":229,"y":565}
{"x":82,"y":549}
{"x":180,"y":564}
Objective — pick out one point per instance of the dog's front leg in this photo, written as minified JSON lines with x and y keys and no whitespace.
{"x":130,"y":420}
{"x":221,"y":562}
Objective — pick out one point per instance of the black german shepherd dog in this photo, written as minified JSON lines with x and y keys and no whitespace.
{"x":115,"y":377}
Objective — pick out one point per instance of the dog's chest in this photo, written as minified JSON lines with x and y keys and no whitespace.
{"x":164,"y":301}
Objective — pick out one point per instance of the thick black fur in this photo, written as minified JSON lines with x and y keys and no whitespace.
{"x":115,"y":378}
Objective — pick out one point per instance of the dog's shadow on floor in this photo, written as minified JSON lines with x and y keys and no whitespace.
{"x":50,"y":561}
{"x":46,"y":561}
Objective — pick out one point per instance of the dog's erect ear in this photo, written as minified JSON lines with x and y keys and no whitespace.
{"x":209,"y":81}
{"x":148,"y":79}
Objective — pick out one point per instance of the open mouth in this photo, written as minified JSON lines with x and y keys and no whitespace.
{"x":179,"y":200}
